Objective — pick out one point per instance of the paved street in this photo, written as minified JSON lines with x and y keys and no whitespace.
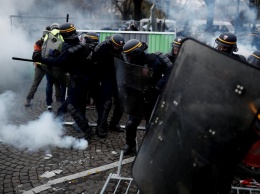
{"x":55,"y":169}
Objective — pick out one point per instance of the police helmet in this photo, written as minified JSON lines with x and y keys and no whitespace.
{"x":68,"y":31}
{"x":90,"y":37}
{"x":55,"y":26}
{"x":228,"y":40}
{"x":133,"y":49}
{"x":117,"y":40}
{"x":254,"y":59}
{"x":44,"y":32}
{"x":177,"y":41}
{"x":48,"y":28}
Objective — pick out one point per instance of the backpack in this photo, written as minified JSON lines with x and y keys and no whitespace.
{"x":52,"y":45}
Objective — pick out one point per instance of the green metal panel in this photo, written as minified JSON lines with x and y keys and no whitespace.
{"x":160,"y":42}
{"x":156,"y":41}
{"x":103,"y":35}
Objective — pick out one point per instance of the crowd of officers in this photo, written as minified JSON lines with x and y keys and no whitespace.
{"x":86,"y":67}
{"x":89,"y":66}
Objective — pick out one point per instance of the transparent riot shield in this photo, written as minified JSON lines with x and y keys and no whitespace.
{"x":199,"y":125}
{"x":134,"y":84}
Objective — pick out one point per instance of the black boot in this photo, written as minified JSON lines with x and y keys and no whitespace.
{"x":115,"y":127}
{"x":116,"y":117}
{"x":130,"y":146}
{"x":79,"y":118}
{"x":129,"y":149}
{"x":101,"y":131}
{"x":102,"y":120}
{"x":89,"y":134}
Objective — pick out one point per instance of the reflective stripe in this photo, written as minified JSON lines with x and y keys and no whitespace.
{"x":226,"y":41}
{"x":69,"y":29}
{"x":116,"y":42}
{"x":256,"y":56}
{"x":177,"y":42}
{"x":138,"y":45}
{"x":92,"y":37}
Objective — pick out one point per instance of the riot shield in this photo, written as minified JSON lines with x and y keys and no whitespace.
{"x":51,"y":46}
{"x":134,"y":83}
{"x":199,"y":125}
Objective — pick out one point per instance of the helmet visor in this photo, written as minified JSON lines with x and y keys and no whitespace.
{"x":254,"y":60}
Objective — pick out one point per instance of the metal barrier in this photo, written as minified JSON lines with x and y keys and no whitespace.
{"x":242,"y":190}
{"x":119,"y":178}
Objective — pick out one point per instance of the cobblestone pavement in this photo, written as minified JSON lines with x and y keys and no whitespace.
{"x":73,"y":171}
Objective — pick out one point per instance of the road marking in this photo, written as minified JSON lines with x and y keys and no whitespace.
{"x":77,"y":175}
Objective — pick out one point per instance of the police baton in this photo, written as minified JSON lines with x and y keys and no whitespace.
{"x":22,"y":59}
{"x":67,"y":19}
{"x":30,"y":60}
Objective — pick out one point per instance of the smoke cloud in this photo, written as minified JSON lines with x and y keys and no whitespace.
{"x":42,"y":133}
{"x":13,"y":44}
{"x":22,"y":25}
{"x":188,"y":12}
{"x":18,"y":35}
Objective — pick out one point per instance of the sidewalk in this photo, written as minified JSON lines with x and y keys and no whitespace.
{"x":61,"y":170}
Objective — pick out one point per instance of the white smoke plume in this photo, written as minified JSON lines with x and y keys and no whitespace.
{"x":42,"y":133}
{"x":13,"y":44}
{"x":187,"y":13}
{"x":18,"y":36}
{"x":22,"y":24}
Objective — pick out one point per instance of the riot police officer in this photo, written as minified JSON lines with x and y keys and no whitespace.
{"x":250,"y":164}
{"x":254,"y":59}
{"x":227,"y":43}
{"x":134,"y":53}
{"x":175,"y":47}
{"x":91,"y":39}
{"x":103,"y":56}
{"x":73,"y":60}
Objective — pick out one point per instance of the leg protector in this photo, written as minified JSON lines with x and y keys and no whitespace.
{"x":78,"y":117}
{"x":130,"y":129}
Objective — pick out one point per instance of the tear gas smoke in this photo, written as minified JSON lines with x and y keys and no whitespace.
{"x":37,"y":134}
{"x":18,"y":34}
{"x":188,"y":12}
{"x":13,"y":43}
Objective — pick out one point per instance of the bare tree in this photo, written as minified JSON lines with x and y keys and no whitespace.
{"x":137,"y":9}
{"x":124,"y":6}
{"x":210,"y":16}
{"x":257,"y":4}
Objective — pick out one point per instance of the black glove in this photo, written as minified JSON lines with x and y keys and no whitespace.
{"x":37,"y":56}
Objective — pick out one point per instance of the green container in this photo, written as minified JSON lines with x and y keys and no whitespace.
{"x":156,"y":41}
{"x":160,"y":42}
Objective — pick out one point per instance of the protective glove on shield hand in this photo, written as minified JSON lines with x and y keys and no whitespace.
{"x":37,"y":56}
